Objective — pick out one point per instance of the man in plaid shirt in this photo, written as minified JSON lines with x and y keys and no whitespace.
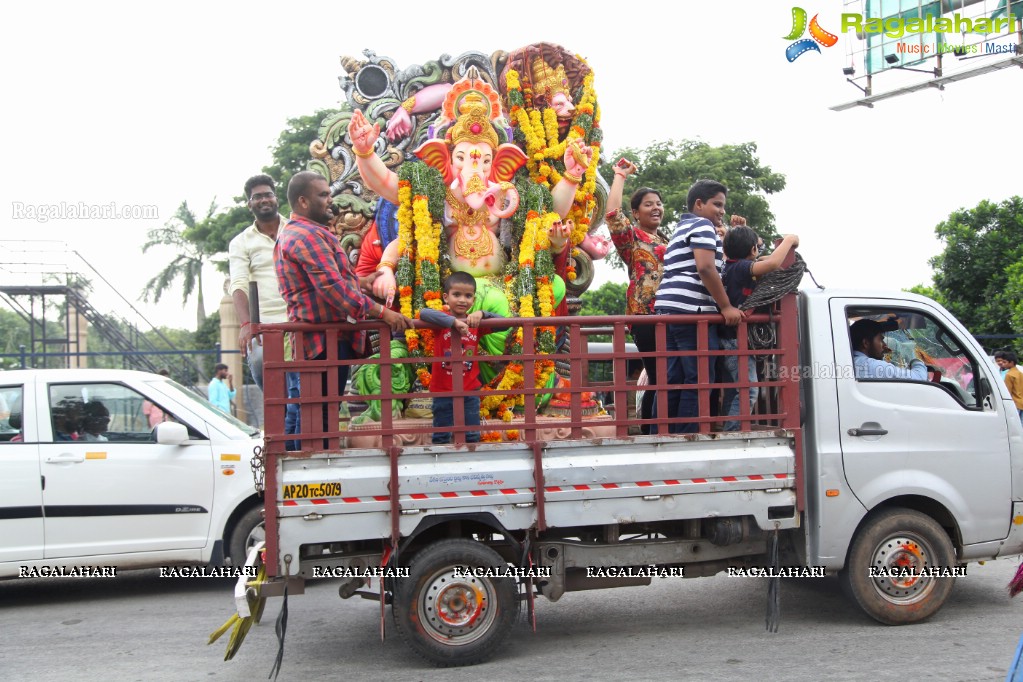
{"x":315,"y":278}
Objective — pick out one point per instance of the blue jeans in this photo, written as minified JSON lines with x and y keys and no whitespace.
{"x":292,"y":415}
{"x":683,"y":370}
{"x":731,"y":400}
{"x":444,"y":415}
{"x":254,"y":358}
{"x":330,"y":422}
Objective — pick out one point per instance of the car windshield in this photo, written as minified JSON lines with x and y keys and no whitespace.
{"x":209,"y":411}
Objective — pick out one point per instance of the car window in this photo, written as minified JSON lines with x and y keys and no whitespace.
{"x":11,"y":413}
{"x":914,"y":334}
{"x":102,"y":412}
{"x":229,"y":425}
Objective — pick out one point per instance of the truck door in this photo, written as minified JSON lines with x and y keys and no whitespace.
{"x":21,"y":490}
{"x":110,"y":487}
{"x":937,"y":438}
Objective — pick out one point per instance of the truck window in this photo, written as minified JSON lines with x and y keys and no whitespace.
{"x":907,"y":335}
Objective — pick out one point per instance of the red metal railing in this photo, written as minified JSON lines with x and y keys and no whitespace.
{"x":321,"y":390}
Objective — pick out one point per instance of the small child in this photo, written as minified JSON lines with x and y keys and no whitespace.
{"x":1006,"y":361}
{"x":459,"y":295}
{"x":742,"y":247}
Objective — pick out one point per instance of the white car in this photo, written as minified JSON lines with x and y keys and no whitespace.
{"x":87,"y":479}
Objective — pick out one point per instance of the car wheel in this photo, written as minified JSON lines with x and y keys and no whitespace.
{"x":247,"y":531}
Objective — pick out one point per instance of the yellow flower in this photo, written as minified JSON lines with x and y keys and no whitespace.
{"x":526,"y":306}
{"x":550,"y":125}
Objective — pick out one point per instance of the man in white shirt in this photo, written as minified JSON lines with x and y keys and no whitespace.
{"x":251,"y":259}
{"x":868,"y":355}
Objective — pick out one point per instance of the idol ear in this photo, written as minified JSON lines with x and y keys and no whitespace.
{"x":507,"y":159}
{"x":435,"y":153}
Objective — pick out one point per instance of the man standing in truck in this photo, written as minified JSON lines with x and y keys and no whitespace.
{"x":315,"y":278}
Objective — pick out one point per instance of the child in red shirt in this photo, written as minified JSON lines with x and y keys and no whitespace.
{"x":459,"y":295}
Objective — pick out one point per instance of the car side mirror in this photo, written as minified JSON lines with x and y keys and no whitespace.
{"x":170,"y":433}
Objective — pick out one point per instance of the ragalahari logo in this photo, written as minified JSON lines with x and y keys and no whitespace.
{"x":818,"y":35}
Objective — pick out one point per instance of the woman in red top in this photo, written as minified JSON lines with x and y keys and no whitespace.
{"x":641,"y":247}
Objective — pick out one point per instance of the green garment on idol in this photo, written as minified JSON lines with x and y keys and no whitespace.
{"x":366,"y":381}
{"x":491,"y":298}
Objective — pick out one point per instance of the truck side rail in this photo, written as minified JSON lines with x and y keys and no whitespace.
{"x":321,"y":394}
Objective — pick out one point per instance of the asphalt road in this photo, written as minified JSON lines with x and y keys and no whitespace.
{"x":138,"y":626}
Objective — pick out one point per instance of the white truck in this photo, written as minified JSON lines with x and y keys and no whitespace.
{"x":118,"y":469}
{"x":895,"y":485}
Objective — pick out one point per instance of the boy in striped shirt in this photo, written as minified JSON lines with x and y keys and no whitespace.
{"x":692,"y":285}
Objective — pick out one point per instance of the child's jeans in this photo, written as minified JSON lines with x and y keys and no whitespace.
{"x":731,"y":398}
{"x":444,"y":415}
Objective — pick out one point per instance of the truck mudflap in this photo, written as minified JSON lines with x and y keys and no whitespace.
{"x":249,"y":603}
{"x":244,"y":592}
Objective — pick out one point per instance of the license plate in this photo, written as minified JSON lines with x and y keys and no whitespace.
{"x":302,"y":491}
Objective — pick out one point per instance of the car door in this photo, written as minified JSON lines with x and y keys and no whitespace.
{"x":110,"y":487}
{"x":21,"y":490}
{"x":929,"y":438}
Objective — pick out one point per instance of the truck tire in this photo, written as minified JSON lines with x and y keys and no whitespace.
{"x":452,"y":619}
{"x":899,"y":539}
{"x":247,"y":531}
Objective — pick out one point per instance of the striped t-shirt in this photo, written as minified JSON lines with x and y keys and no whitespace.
{"x":681,"y":290}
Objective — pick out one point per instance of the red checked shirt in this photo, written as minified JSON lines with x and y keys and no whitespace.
{"x":316,"y":280}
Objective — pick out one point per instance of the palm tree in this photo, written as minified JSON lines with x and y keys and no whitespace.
{"x":188,"y":235}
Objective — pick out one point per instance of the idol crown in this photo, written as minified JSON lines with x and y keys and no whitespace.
{"x":548,"y":81}
{"x":472,"y":124}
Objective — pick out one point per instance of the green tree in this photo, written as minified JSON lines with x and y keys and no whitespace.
{"x":929,"y":292}
{"x":14,"y":334}
{"x":190,"y":238}
{"x":979,"y":275}
{"x":207,"y":336}
{"x":672,"y":166}
{"x":290,"y":155}
{"x":609,"y":299}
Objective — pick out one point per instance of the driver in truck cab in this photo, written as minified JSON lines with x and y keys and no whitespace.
{"x":869,"y":350}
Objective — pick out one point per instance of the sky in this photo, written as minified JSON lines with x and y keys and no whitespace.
{"x":141,"y":105}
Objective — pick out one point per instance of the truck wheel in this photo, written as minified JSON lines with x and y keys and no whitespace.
{"x":899,"y":540}
{"x":453,"y":619}
{"x":247,"y":531}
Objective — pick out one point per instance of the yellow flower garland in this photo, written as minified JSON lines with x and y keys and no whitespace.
{"x":541,"y":132}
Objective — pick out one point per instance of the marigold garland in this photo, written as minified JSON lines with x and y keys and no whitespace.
{"x":420,"y":196}
{"x":546,"y":152}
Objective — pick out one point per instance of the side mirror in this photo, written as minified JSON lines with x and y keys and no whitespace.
{"x":170,"y":433}
{"x":985,"y":387}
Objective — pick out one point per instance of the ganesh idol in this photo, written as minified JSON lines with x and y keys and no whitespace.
{"x":477,"y":170}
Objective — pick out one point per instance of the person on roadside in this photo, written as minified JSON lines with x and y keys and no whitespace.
{"x":220,"y":391}
{"x":1013,"y":377}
